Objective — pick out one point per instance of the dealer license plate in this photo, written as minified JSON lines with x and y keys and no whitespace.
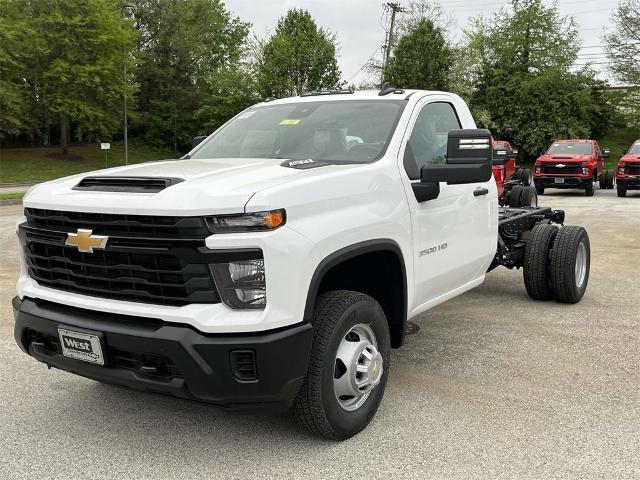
{"x":559,"y":180}
{"x":81,"y":346}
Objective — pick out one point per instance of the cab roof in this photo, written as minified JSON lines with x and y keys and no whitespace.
{"x":342,"y":95}
{"x":574,"y":141}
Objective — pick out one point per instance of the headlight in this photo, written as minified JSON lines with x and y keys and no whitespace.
{"x":247,"y":222}
{"x":537,"y":169}
{"x":621,"y":170}
{"x":585,"y":171}
{"x":241,"y":283}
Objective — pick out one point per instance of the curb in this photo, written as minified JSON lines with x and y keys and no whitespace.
{"x":10,"y":202}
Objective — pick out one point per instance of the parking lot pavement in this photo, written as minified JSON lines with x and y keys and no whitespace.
{"x":492,"y":385}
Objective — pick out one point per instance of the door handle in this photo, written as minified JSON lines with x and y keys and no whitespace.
{"x":480,"y":191}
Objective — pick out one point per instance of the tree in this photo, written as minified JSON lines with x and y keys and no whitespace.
{"x":623,"y":44}
{"x":623,"y":49}
{"x":525,"y":90}
{"x":422,"y":59}
{"x":15,"y":33}
{"x":298,"y":57}
{"x":77,"y":73}
{"x":191,"y":52}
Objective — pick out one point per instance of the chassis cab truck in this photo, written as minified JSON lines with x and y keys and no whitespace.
{"x":628,"y":170}
{"x":276,"y":265}
{"x":574,"y":164}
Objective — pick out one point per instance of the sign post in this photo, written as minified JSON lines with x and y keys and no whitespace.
{"x":106,"y":147}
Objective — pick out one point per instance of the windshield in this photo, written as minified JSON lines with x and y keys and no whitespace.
{"x":635,"y":149}
{"x":570,"y":149}
{"x":354,"y":131}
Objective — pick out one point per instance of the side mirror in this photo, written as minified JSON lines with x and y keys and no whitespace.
{"x":605,"y":153}
{"x":469,"y":156}
{"x":197,"y":140}
{"x":514,"y":151}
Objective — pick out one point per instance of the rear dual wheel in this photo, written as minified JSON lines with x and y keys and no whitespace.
{"x":520,"y":196}
{"x":557,"y":263}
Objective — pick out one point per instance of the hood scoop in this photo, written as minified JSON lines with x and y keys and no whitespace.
{"x":126,"y":184}
{"x":561,"y":157}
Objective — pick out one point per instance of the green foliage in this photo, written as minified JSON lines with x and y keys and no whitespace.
{"x":422,"y":59}
{"x":190,"y":58}
{"x":524,"y":88}
{"x":623,"y":44}
{"x":68,"y":57}
{"x":298,"y":57}
{"x":15,"y":35}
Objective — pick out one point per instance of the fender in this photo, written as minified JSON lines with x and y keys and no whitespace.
{"x":352,"y":251}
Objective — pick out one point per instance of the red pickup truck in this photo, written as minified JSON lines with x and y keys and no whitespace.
{"x":573,"y":164}
{"x":628,"y":170}
{"x":514,"y":184}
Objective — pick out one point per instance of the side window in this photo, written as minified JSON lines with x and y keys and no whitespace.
{"x":428,"y":141}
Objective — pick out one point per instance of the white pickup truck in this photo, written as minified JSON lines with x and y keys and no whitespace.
{"x":276,"y":265}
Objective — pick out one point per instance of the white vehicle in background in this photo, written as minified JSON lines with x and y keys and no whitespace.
{"x":276,"y":265}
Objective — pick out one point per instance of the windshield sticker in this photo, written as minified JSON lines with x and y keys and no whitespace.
{"x":246,"y":115}
{"x":290,"y":121}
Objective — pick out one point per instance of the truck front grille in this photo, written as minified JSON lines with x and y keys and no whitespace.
{"x":566,"y":170}
{"x":169,"y":267}
{"x":632,"y":169}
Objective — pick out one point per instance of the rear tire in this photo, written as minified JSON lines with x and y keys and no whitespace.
{"x":539,"y":190}
{"x":515,"y":195}
{"x":589,"y":190}
{"x":529,"y":197}
{"x":345,"y":323}
{"x":610,"y":179}
{"x":602,"y":180}
{"x":570,"y":264}
{"x":622,"y":191}
{"x":536,"y":261}
{"x":525,"y":177}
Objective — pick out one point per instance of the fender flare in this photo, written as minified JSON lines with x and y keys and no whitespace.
{"x":351,"y":251}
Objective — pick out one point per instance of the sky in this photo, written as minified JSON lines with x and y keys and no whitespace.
{"x":360,"y":25}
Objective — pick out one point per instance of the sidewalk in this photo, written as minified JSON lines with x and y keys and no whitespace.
{"x":14,"y":187}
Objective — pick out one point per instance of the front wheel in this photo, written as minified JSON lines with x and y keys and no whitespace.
{"x":622,"y":191}
{"x":348,"y":368}
{"x":589,"y":189}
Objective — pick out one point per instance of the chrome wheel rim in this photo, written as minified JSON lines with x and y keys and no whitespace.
{"x":581,"y":264}
{"x":358,"y":367}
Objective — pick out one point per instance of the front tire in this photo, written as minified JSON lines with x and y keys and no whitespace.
{"x":622,"y":191}
{"x":589,"y":189}
{"x":570,"y":264}
{"x":348,"y":368}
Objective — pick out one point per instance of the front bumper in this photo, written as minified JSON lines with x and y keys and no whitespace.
{"x":569,"y":182}
{"x":176,"y":359}
{"x":629,"y":183}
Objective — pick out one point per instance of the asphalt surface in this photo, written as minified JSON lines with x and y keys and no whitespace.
{"x":492,"y":385}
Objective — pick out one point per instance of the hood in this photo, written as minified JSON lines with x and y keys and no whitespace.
{"x":634,"y":158}
{"x":563,"y":158}
{"x":200,"y":187}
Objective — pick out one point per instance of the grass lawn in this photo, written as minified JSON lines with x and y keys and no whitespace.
{"x":34,"y":165}
{"x":12,"y":196}
{"x":618,"y":141}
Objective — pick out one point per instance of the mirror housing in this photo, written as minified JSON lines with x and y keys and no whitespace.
{"x":469,"y":158}
{"x":606,"y":153}
{"x":514,"y":151}
{"x":197,"y":140}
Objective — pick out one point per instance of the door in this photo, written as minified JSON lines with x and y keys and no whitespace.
{"x":455,"y":234}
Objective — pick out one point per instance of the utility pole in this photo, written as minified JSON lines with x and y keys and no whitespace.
{"x":126,"y":7}
{"x":395,"y":8}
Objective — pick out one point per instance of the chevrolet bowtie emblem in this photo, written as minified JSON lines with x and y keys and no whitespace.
{"x":560,"y":165}
{"x":85,"y":241}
